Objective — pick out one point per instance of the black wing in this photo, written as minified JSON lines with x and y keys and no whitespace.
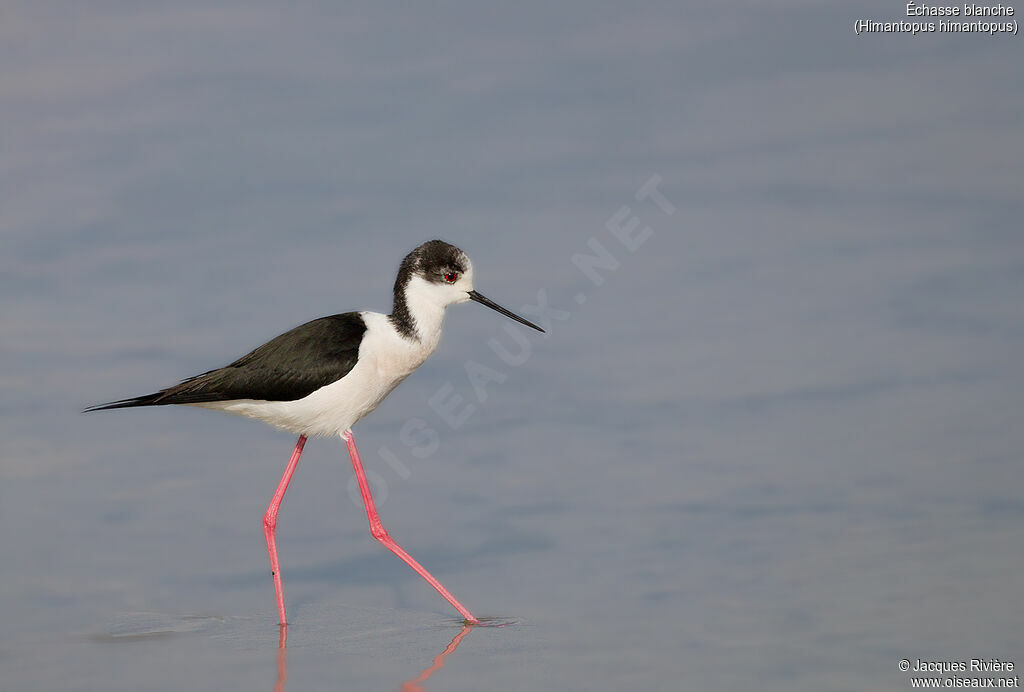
{"x":286,"y":368}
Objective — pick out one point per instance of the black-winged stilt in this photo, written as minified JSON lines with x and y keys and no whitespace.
{"x":323,"y":376}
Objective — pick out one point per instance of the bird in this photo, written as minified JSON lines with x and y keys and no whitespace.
{"x":322,"y":377}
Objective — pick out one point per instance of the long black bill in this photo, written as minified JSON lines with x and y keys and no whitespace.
{"x":473,"y":295}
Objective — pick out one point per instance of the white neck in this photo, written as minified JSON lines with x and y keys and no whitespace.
{"x":424,"y":302}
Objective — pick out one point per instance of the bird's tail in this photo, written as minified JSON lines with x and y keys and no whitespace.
{"x":145,"y":400}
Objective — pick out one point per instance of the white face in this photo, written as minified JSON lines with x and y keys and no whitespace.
{"x":462,"y":286}
{"x":442,"y":288}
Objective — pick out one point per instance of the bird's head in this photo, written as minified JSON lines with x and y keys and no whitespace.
{"x":438,"y":274}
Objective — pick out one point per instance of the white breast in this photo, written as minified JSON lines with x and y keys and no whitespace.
{"x":385,"y":359}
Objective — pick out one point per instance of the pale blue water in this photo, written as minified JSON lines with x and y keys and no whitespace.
{"x":777,"y":447}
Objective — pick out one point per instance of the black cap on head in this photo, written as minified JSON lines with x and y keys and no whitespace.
{"x":431,"y":260}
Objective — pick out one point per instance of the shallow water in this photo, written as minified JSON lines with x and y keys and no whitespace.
{"x":774,"y":443}
{"x":374,"y":649}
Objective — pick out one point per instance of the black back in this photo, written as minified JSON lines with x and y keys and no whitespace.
{"x":288,"y":367}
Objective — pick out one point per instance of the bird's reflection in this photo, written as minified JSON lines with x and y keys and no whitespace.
{"x":416,"y":684}
{"x":413,"y":685}
{"x":282,"y":659}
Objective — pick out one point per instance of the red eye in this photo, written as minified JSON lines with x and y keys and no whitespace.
{"x":451,"y":277}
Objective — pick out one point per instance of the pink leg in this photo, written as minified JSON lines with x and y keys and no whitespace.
{"x":270,"y":523}
{"x":377,"y":531}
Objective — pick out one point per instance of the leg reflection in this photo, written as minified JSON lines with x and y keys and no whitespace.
{"x":416,"y":684}
{"x":282,"y":660}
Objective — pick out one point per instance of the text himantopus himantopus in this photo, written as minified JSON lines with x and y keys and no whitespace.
{"x":323,"y":376}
